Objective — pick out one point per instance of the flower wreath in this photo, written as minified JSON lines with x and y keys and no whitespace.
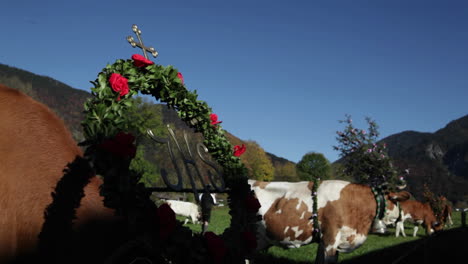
{"x":110,"y":149}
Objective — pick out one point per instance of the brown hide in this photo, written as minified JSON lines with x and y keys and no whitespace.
{"x":420,"y":211}
{"x":35,"y":147}
{"x":356,"y":208}
{"x":393,"y":197}
{"x":346,"y":212}
{"x":446,"y":211}
{"x":294,"y":213}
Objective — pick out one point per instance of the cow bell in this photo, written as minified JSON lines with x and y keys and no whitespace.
{"x":379,"y":227}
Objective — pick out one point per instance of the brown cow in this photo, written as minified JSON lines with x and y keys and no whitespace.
{"x":346,"y":212}
{"x":418,"y":213}
{"x":35,"y":147}
{"x":446,"y":212}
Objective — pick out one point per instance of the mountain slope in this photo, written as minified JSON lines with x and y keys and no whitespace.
{"x":439,"y":159}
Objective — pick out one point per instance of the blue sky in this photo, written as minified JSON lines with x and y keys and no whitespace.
{"x":281,"y":73}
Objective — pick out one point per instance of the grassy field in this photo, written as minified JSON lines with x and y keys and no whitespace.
{"x":220,"y":219}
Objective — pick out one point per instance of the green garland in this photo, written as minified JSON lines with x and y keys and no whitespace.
{"x":316,"y":233}
{"x":106,"y":120}
{"x":106,"y":115}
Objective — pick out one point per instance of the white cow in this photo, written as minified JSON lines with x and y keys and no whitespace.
{"x":346,"y":212}
{"x":186,"y":209}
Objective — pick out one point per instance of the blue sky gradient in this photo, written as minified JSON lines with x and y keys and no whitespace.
{"x":281,"y":73}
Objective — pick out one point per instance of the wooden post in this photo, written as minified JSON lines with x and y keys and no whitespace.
{"x":463,"y":215}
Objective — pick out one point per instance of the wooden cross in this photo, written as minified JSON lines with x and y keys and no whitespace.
{"x":140,"y":43}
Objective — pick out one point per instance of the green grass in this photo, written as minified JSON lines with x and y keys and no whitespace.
{"x":220,"y":219}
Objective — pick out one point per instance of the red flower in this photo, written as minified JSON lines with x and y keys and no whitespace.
{"x":215,"y":246}
{"x":140,"y":61}
{"x":250,"y":240}
{"x":167,"y":221}
{"x":119,"y":84}
{"x":252,"y":203}
{"x":239,"y":150}
{"x":121,"y":145}
{"x":179,"y":75}
{"x":214,"y":119}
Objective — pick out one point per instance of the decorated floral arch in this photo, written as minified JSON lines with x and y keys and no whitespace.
{"x":110,"y":148}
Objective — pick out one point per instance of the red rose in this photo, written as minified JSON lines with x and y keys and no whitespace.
{"x":252,"y":203}
{"x":121,"y":145}
{"x":239,"y":150}
{"x":140,"y":61}
{"x":214,"y":119}
{"x":215,"y":246}
{"x":119,"y":84}
{"x":250,"y":240}
{"x":167,"y":221}
{"x":179,"y":75}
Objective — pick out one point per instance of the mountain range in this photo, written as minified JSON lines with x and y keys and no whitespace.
{"x":439,"y":159}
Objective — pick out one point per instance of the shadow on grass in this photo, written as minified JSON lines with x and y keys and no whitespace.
{"x":450,"y":246}
{"x":268,"y":259}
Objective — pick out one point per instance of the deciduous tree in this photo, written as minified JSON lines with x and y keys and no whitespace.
{"x":313,"y":165}
{"x":258,"y":164}
{"x":364,"y":159}
{"x":286,"y":172}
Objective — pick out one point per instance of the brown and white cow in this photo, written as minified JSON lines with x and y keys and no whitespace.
{"x":346,"y":212}
{"x":393,"y":209}
{"x":418,"y":213}
{"x":35,"y":147}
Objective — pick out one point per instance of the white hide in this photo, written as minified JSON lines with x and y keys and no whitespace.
{"x":275,"y":190}
{"x":329,"y":191}
{"x":391,"y":216}
{"x":186,"y":209}
{"x":342,"y":239}
{"x":401,"y":228}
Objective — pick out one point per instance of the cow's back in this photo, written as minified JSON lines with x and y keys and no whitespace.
{"x":182,"y":207}
{"x":417,"y":210}
{"x":35,"y":147}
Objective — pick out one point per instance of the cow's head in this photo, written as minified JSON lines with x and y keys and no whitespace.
{"x":433,"y":227}
{"x":431,"y":221}
{"x":392,"y":212}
